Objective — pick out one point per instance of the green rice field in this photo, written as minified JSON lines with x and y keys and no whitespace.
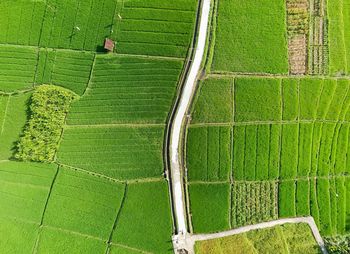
{"x":82,"y":130}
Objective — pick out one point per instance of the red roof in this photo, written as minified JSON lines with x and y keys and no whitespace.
{"x":109,"y":44}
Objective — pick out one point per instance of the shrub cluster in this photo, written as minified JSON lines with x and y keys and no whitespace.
{"x":48,"y":108}
{"x":338,"y":244}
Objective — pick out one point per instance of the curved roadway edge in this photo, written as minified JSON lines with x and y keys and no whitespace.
{"x":186,"y":95}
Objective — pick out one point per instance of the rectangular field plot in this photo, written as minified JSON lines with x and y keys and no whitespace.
{"x":69,"y":69}
{"x":118,"y":152}
{"x":323,"y":198}
{"x":251,"y":37}
{"x":253,"y":202}
{"x":13,"y":117}
{"x":144,"y":222}
{"x":210,"y":207}
{"x":24,"y":188}
{"x":21,"y":21}
{"x":17,"y":236}
{"x":257,"y":99}
{"x":209,"y":153}
{"x":214,"y":102}
{"x":256,"y":152}
{"x":57,"y":242}
{"x":128,"y":90}
{"x":152,"y":27}
{"x":17,"y":68}
{"x":338,"y":36}
{"x":77,"y":24}
{"x":86,"y":204}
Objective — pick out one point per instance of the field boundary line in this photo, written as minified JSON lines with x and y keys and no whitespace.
{"x":137,"y":125}
{"x":308,"y":220}
{"x":97,"y":53}
{"x":218,"y":75}
{"x":88,"y":85}
{"x":5,"y":115}
{"x":281,"y":122}
{"x":114,"y":226}
{"x":130,"y":248}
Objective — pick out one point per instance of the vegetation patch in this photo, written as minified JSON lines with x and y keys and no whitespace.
{"x":251,"y":37}
{"x":288,"y":238}
{"x":48,"y":108}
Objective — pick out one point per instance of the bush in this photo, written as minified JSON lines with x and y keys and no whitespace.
{"x":337,"y":245}
{"x":48,"y":108}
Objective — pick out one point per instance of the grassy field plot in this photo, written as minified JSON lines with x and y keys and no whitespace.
{"x":257,"y":99}
{"x":24,"y":190}
{"x":214,"y":103}
{"x":210,"y":207}
{"x":251,"y":37}
{"x":17,"y":236}
{"x":339,"y":45}
{"x":17,"y":68}
{"x":119,"y":152}
{"x":69,"y":69}
{"x":209,"y":153}
{"x":288,"y":238}
{"x":55,"y":241}
{"x":13,"y":118}
{"x":87,"y":205}
{"x":152,"y":27}
{"x":128,"y":89}
{"x":144,"y":222}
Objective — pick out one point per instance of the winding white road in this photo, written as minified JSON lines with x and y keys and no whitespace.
{"x":186,"y":95}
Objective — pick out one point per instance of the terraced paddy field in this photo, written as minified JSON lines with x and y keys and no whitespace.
{"x":268,"y":132}
{"x":82,"y":130}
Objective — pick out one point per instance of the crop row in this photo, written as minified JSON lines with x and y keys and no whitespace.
{"x":83,"y":202}
{"x":326,"y":199}
{"x":339,"y":46}
{"x":261,"y":152}
{"x":69,"y":69}
{"x":272,"y":100}
{"x":13,"y":118}
{"x":17,"y":68}
{"x":118,"y":152}
{"x":128,"y":90}
{"x":155,"y":27}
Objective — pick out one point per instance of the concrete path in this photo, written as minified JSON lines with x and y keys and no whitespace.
{"x":186,"y":95}
{"x":309,"y":220}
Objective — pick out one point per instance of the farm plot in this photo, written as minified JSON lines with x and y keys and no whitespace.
{"x":152,"y":27}
{"x":144,"y":222}
{"x":323,"y":198}
{"x":210,"y":206}
{"x":55,"y":241}
{"x":128,"y":89}
{"x":21,"y":22}
{"x":288,"y":238}
{"x":24,"y":190}
{"x":339,"y":45}
{"x":17,"y":68}
{"x":251,"y":37}
{"x":118,"y":152}
{"x":69,"y":69}
{"x":87,"y":204}
{"x":253,"y":202}
{"x":13,"y":118}
{"x":271,"y":100}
